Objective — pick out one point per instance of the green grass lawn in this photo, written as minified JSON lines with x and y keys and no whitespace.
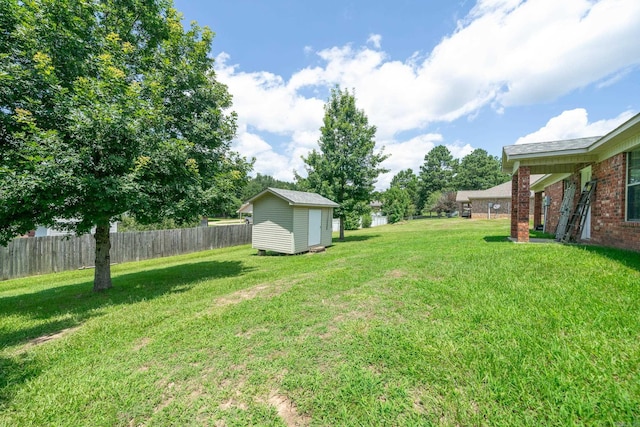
{"x":430,"y":322}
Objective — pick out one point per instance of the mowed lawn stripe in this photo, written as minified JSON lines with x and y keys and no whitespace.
{"x":430,"y":322}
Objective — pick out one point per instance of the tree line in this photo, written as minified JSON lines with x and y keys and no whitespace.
{"x":433,"y":188}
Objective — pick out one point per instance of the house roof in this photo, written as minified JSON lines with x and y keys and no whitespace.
{"x":571,"y":155}
{"x":500,"y":191}
{"x":463,"y":195}
{"x":550,"y":146}
{"x":297,"y":198}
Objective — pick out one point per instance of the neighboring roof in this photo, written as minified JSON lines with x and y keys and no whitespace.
{"x":297,"y":198}
{"x":463,"y":195}
{"x":500,"y":191}
{"x":245,"y":208}
{"x":569,"y":156}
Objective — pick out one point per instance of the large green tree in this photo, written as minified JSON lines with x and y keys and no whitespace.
{"x":436,"y":173}
{"x":347,"y":165}
{"x":109,"y":107}
{"x":396,"y":204}
{"x":408,"y":181}
{"x":478,"y":171}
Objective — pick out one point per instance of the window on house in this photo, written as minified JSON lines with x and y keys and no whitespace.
{"x":633,"y":186}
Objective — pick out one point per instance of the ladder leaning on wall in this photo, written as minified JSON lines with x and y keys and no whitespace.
{"x":565,"y":211}
{"x":576,"y":222}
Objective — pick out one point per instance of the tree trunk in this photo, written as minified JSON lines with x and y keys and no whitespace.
{"x":102,"y":274}
{"x":341,"y":228}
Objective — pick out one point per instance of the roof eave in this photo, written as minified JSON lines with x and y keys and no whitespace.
{"x":619,"y":132}
{"x":315,"y":205}
{"x":548,"y":180}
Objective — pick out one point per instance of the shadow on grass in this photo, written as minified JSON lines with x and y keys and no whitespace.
{"x":627,"y":258}
{"x":14,"y":372}
{"x":496,"y":239}
{"x":355,"y":238}
{"x":77,"y":302}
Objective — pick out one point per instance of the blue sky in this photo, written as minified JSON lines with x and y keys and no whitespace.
{"x":465,"y":74}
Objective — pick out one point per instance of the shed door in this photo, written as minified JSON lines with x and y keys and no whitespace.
{"x":315,"y":226}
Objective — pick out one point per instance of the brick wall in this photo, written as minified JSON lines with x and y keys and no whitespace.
{"x":608,"y":226}
{"x":479,"y":207}
{"x":555,"y":192}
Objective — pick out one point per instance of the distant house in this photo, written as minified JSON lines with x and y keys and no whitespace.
{"x":52,"y":231}
{"x":609,"y":166}
{"x":246,"y":209}
{"x":494,"y":202}
{"x":291,"y":222}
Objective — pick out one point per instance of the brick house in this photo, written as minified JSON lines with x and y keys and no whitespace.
{"x":612,"y":161}
{"x":494,"y":202}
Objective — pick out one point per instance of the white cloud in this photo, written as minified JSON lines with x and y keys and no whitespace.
{"x":504,"y":53}
{"x":375,"y":40}
{"x":525,"y":52}
{"x":410,"y":155}
{"x":267,"y":161}
{"x":459,"y":151}
{"x":266,"y":102}
{"x":574,"y":124}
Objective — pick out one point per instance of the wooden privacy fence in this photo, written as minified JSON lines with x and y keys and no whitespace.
{"x":41,"y":255}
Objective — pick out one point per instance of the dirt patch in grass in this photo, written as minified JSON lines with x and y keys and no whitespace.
{"x":287,"y":410}
{"x":232,"y":403}
{"x":396,"y":274}
{"x":242,"y":295}
{"x":166,"y":401}
{"x":46,"y":338}
{"x":143,"y":342}
{"x":266,"y":290}
{"x":251,"y":332}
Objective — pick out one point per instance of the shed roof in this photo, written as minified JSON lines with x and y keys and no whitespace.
{"x":297,"y":198}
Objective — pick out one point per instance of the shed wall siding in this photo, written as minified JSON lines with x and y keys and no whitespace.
{"x":300,"y":229}
{"x":272,"y":225}
{"x":327,"y":227}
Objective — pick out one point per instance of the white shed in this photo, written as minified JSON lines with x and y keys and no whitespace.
{"x":291,"y":222}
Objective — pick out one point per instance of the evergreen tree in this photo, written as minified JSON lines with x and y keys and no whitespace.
{"x":347,"y":166}
{"x":479,"y":171}
{"x":396,"y":204}
{"x":408,"y":181}
{"x":436,"y":173}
